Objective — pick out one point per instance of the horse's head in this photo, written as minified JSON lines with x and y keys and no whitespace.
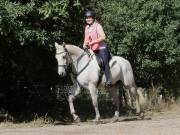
{"x":62,"y":59}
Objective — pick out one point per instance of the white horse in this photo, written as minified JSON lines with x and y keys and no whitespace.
{"x":85,"y":73}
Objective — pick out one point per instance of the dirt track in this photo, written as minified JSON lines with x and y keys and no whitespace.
{"x":159,"y":125}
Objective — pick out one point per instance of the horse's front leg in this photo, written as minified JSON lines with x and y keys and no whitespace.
{"x":71,"y":98}
{"x":94,"y":96}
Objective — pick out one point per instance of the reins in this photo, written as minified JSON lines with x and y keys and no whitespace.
{"x":70,"y":66}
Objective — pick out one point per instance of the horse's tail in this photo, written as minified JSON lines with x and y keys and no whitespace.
{"x":142,"y":100}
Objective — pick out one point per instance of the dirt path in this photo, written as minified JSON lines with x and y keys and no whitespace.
{"x":158,"y":125}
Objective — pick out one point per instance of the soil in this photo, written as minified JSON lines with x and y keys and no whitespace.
{"x":164,"y":123}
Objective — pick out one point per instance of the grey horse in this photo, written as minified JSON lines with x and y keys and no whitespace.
{"x":85,"y":73}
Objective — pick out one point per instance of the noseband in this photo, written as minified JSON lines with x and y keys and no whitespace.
{"x":68,"y":64}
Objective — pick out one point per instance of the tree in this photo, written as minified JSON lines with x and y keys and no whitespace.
{"x":146,"y":33}
{"x":28,"y":30}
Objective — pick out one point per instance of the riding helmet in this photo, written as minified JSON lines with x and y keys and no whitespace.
{"x":90,"y":13}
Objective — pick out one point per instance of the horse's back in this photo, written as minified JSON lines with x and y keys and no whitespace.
{"x":124,"y":63}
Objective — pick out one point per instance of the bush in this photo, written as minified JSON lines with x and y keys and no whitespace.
{"x":146,"y":33}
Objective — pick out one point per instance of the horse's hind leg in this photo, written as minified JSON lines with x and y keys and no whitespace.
{"x":130,"y":98}
{"x":135,"y":96}
{"x":114,"y":92}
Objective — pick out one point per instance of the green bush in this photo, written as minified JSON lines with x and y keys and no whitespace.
{"x":147,"y":33}
{"x":28,"y":68}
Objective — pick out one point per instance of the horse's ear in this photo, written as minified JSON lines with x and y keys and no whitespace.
{"x":64,"y":44}
{"x":56,"y":44}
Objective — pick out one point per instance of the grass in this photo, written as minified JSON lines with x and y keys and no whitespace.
{"x":36,"y":122}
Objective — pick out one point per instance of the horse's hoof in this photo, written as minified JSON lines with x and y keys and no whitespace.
{"x":141,"y":115}
{"x":115,"y":119}
{"x":96,"y":120}
{"x":77,"y":120}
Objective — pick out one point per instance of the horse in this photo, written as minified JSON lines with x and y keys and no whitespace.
{"x":85,"y":71}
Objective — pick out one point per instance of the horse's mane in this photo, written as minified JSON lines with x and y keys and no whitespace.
{"x":74,"y":49}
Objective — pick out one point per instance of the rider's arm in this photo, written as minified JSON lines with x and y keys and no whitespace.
{"x":101,"y":35}
{"x":85,"y":39}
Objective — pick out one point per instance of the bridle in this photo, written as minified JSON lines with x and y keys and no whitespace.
{"x":63,"y":65}
{"x":69,"y":66}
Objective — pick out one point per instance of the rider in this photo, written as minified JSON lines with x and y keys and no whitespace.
{"x":95,"y":40}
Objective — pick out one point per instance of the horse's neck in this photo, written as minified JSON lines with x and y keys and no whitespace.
{"x":80,"y":61}
{"x":80,"y":58}
{"x":74,"y":51}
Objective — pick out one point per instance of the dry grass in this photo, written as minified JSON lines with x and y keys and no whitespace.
{"x":36,"y":122}
{"x":156,"y":104}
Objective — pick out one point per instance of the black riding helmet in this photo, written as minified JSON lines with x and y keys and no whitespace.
{"x":90,"y":13}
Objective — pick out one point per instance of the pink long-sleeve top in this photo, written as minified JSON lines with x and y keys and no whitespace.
{"x":92,"y":33}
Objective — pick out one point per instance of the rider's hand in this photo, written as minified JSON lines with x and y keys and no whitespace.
{"x":85,"y":46}
{"x":91,"y":43}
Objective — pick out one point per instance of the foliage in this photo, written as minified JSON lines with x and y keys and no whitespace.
{"x":28,"y":68}
{"x":146,"y":32}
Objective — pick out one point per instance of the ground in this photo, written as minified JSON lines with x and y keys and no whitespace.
{"x":163,"y":123}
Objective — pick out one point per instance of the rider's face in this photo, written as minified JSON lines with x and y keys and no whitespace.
{"x":89,"y":20}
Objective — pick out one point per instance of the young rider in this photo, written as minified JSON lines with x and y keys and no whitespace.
{"x":95,"y":40}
